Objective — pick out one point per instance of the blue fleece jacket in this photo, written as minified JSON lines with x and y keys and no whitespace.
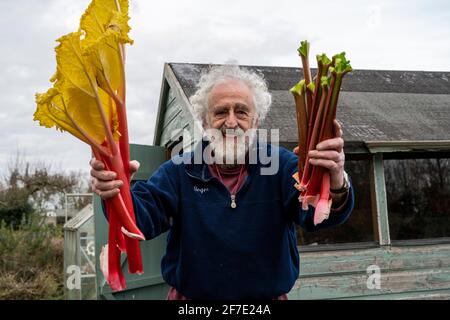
{"x":217,"y":252}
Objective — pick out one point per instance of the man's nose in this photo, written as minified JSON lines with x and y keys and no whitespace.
{"x":231,"y":121}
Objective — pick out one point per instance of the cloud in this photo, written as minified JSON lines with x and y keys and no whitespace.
{"x":376,"y":35}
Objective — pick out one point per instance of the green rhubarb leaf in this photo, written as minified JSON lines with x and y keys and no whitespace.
{"x":311,"y":87}
{"x":325,"y":81}
{"x":304,"y":48}
{"x":323,"y":59}
{"x":341,"y":64}
{"x":299,"y":88}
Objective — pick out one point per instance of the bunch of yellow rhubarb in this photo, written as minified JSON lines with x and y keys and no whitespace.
{"x":87,"y":100}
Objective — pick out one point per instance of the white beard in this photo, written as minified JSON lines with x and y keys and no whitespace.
{"x":232,"y":149}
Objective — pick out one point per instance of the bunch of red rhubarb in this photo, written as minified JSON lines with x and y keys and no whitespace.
{"x":316,"y":102}
{"x":88,"y":101}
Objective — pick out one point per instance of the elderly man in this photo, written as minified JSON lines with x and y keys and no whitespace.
{"x":231,"y":229}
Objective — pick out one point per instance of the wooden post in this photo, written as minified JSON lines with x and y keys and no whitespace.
{"x":379,"y":200}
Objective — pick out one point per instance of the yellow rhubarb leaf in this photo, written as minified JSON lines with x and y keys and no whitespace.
{"x":106,"y":29}
{"x":89,"y":74}
{"x":105,"y":56}
{"x":104,"y":14}
{"x":86,"y":113}
{"x":69,"y":109}
{"x":72,"y":66}
{"x":50,"y":113}
{"x":76,"y":82}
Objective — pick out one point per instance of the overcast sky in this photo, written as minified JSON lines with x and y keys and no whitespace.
{"x":381,"y":34}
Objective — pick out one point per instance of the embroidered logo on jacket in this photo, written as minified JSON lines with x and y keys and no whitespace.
{"x":201,"y":190}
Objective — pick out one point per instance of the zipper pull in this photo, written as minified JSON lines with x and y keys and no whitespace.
{"x":233,"y":201}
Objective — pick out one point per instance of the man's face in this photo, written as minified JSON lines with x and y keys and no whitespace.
{"x":231,"y":111}
{"x":230,"y":105}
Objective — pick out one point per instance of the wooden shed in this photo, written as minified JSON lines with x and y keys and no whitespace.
{"x":396,"y":245}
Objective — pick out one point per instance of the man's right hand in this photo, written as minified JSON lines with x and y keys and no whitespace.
{"x":103,"y":182}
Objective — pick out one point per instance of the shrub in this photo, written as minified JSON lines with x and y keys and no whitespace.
{"x":31,"y":261}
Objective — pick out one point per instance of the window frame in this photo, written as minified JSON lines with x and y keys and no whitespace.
{"x":353,"y":245}
{"x":380,"y":212}
{"x":416,"y":155}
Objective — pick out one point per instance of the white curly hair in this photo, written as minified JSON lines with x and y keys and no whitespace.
{"x":262,"y":98}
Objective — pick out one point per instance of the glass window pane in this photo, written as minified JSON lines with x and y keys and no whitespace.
{"x":418,"y":198}
{"x":359,"y":227}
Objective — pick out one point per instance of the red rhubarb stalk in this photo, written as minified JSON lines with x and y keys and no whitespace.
{"x":298,"y":91}
{"x":324,"y":204}
{"x":315,"y":131}
{"x":323,"y":64}
{"x":304,"y":54}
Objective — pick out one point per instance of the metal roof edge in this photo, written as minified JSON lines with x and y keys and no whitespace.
{"x":299,"y":67}
{"x":169,"y":81}
{"x":80,"y":218}
{"x":179,"y":92}
{"x":407,"y":146}
{"x":162,"y":97}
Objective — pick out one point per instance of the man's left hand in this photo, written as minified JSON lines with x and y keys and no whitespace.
{"x":330,"y":155}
